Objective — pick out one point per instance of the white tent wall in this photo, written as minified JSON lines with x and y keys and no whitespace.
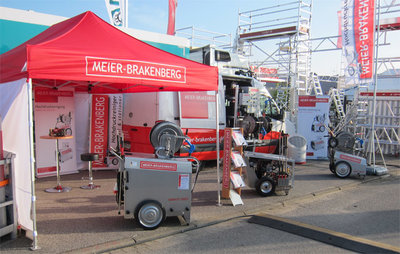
{"x":82,"y":117}
{"x":16,"y":139}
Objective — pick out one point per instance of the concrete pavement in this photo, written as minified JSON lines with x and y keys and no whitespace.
{"x":87,"y":221}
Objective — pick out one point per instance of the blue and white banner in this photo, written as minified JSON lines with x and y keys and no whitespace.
{"x":116,"y":12}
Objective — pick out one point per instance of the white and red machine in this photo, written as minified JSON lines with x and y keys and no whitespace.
{"x":151,"y":187}
{"x":343,"y":160}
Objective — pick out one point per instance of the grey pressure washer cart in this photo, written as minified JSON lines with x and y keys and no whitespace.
{"x":151,"y":187}
{"x":268,"y":173}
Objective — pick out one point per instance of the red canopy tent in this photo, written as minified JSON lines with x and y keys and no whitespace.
{"x":90,"y":55}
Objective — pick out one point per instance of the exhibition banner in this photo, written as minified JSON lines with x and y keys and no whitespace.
{"x":358,"y":39}
{"x":54,"y":112}
{"x":313,"y":119}
{"x":99,"y":128}
{"x":226,"y":163}
{"x":114,"y":125}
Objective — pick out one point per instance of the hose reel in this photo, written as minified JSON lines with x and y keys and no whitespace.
{"x":166,"y":138}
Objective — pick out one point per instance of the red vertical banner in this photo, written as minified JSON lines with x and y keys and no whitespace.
{"x":172,"y":4}
{"x":226,"y":170}
{"x":99,"y":129}
{"x":364,"y":13}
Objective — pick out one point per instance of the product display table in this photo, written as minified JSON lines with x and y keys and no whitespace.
{"x":59,"y":187}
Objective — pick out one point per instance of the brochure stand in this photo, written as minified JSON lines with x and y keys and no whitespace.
{"x":232,"y":181}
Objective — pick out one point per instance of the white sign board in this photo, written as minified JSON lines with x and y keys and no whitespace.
{"x":312,"y":123}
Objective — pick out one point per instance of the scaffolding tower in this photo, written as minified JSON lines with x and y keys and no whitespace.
{"x":287,"y":27}
{"x":376,"y":120}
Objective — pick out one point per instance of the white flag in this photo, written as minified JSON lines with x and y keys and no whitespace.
{"x":116,"y":12}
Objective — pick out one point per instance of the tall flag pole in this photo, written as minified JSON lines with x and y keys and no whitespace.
{"x":172,"y":4}
{"x":117,"y":12}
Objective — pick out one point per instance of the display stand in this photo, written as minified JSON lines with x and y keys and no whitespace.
{"x":59,"y":187}
{"x":232,"y":181}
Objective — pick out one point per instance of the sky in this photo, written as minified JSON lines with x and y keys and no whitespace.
{"x":213,"y":15}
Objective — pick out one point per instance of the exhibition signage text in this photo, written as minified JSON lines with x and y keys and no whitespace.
{"x":131,"y":69}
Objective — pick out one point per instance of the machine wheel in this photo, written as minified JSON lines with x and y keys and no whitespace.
{"x":265,"y":186}
{"x":342,"y":169}
{"x":201,"y":167}
{"x":332,"y":167}
{"x":149,"y":214}
{"x":68,"y":132}
{"x":332,"y":142}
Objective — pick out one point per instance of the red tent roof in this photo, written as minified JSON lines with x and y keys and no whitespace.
{"x":94,"y":56}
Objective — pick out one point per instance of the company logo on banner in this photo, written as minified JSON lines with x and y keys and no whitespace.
{"x":311,"y":101}
{"x":358,"y":39}
{"x":158,"y":165}
{"x":264,"y":71}
{"x":130,"y":69}
{"x":50,"y":95}
{"x":195,"y":104}
{"x":99,"y":129}
{"x":115,"y":10}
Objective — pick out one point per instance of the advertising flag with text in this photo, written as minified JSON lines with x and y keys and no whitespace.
{"x":358,"y":39}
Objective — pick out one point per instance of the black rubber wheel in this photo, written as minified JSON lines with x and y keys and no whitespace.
{"x":248,"y":124}
{"x":120,"y":191}
{"x":201,"y":166}
{"x":89,"y":157}
{"x":332,"y":142}
{"x":332,"y":167}
{"x":265,"y":186}
{"x":165,"y":128}
{"x":342,"y":169}
{"x":149,"y":214}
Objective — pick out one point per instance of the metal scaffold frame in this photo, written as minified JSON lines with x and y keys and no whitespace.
{"x":200,"y":37}
{"x":375,"y":120}
{"x":287,"y":27}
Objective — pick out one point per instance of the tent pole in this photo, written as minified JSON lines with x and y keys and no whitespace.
{"x":217,"y":144}
{"x":32,"y":166}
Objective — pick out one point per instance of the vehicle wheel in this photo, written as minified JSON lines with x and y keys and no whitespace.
{"x":332,"y":142}
{"x":68,"y":132}
{"x":342,"y":169}
{"x":332,"y":167}
{"x":265,"y":186}
{"x":149,"y":214}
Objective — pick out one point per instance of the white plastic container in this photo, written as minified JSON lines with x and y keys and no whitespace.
{"x":297,"y":146}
